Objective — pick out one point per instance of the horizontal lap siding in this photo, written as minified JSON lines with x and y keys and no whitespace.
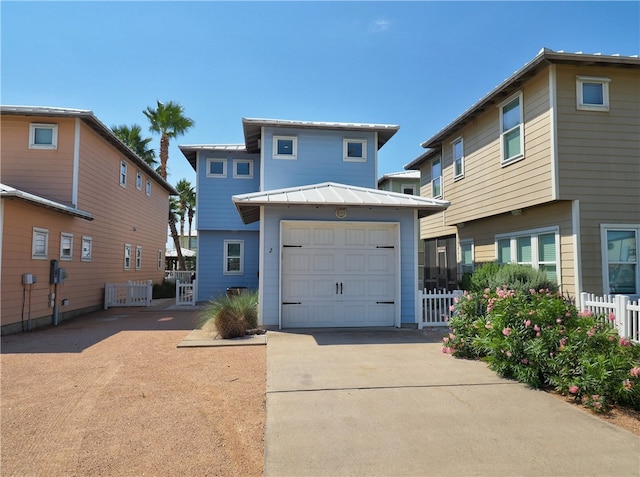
{"x":45,"y":172}
{"x":319,"y":159}
{"x":599,"y":159}
{"x":558,"y":214}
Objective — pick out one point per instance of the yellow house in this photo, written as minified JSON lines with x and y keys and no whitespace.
{"x":79,"y":209}
{"x":542,"y":171}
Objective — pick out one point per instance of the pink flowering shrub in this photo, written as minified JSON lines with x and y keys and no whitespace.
{"x":539,"y":338}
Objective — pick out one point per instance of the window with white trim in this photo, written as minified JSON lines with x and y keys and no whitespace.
{"x":592,"y":94}
{"x":66,"y":246}
{"x":87,"y":249}
{"x":123,"y":174}
{"x":285,"y":147}
{"x":242,"y":169}
{"x":536,"y":248}
{"x":139,"y":180}
{"x":217,"y":168}
{"x":233,"y":257}
{"x":40,"y":243}
{"x":457,"y":147}
{"x":160,"y":257}
{"x":511,"y":129}
{"x":43,"y":136}
{"x":138,"y":257}
{"x":354,"y":150}
{"x":621,"y":265}
{"x":466,"y":256}
{"x":148,"y":187}
{"x":127,"y":256}
{"x":436,"y":179}
{"x":409,"y":189}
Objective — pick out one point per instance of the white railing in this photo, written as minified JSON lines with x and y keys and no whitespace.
{"x":128,"y":294}
{"x":434,"y":307}
{"x":626,"y":312}
{"x":186,"y":293}
{"x":181,"y":276}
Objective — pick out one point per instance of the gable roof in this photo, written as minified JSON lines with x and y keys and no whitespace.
{"x":402,"y":175}
{"x":94,"y":123}
{"x":8,"y":192}
{"x":545,"y":57}
{"x":253,"y":129}
{"x":332,"y":194}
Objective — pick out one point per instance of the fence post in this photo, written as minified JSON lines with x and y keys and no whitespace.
{"x":622,"y":317}
{"x":583,"y":300}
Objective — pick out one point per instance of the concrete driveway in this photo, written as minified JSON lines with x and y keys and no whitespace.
{"x":389,"y":403}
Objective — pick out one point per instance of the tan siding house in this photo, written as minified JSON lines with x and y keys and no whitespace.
{"x":542,"y":171}
{"x":72,"y":192}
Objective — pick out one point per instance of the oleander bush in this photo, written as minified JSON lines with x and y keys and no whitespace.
{"x":539,"y":338}
{"x":232,"y":316}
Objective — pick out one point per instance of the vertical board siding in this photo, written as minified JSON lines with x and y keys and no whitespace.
{"x":216,"y":210}
{"x":212,"y":282}
{"x":319,"y":159}
{"x":598,"y":159}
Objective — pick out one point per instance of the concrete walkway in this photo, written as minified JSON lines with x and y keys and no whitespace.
{"x":389,"y":403}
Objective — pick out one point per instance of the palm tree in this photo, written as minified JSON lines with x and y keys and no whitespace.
{"x":132,"y":137}
{"x":191,"y":210}
{"x":169,"y":121}
{"x":187,"y":197}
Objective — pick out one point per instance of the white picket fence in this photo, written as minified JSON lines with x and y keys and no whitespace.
{"x":128,"y":294}
{"x":184,"y":276}
{"x":626,"y":312}
{"x":186,"y":293}
{"x":435,"y":306}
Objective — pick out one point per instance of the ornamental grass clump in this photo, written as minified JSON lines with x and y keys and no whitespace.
{"x":231,"y":316}
{"x":539,"y":338}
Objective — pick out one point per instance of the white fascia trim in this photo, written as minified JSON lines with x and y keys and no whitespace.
{"x":76,"y":164}
{"x":398,"y":306}
{"x":375,"y":157}
{"x":416,"y":237}
{"x":553,"y":133}
{"x":261,"y":272}
{"x":577,"y":250}
{"x":261,"y":164}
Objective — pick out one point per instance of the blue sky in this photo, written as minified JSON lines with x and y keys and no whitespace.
{"x":415,"y":64}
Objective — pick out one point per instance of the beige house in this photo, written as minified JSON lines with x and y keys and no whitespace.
{"x":75,"y":198}
{"x":544,"y":170}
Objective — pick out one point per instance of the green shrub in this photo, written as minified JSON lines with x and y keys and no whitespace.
{"x":521,"y":278}
{"x":539,"y":338}
{"x":482,"y":276}
{"x":166,"y":289}
{"x":231,"y":316}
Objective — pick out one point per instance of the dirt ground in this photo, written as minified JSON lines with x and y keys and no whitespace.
{"x":110,"y":394}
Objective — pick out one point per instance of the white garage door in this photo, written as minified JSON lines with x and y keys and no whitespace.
{"x":339,"y":274}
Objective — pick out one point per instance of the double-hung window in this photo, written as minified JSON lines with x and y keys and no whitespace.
{"x":242,"y":169}
{"x":537,"y":249}
{"x":620,"y":259}
{"x":139,"y":180}
{"x":66,"y":246}
{"x":436,"y":179}
{"x":233,"y":257}
{"x":148,"y":189}
{"x":458,"y":158}
{"x":87,"y":246}
{"x":285,"y":147}
{"x":40,"y":243}
{"x":160,"y":256}
{"x":511,"y":129}
{"x":138,"y":257}
{"x":123,"y":174}
{"x":466,"y":256}
{"x":592,"y":93}
{"x":127,"y":256}
{"x":43,"y":136}
{"x":217,"y":168}
{"x":354,"y":150}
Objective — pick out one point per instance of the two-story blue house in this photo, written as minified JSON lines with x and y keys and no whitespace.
{"x":295,"y":212}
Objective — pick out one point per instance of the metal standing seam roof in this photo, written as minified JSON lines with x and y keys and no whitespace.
{"x":190,"y":151}
{"x":8,"y":192}
{"x":332,"y":194}
{"x":544,"y":57}
{"x":95,"y":124}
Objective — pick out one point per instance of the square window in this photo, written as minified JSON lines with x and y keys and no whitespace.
{"x":123,"y":174}
{"x":217,"y":168}
{"x":66,"y":246}
{"x":127,"y":256}
{"x":40,"y":243}
{"x":43,"y":136}
{"x":242,"y":169}
{"x":233,"y":257}
{"x":511,"y":129}
{"x":408,"y":189}
{"x":139,"y":181}
{"x":592,"y":94}
{"x":285,"y":147}
{"x":622,"y":271}
{"x":458,"y":158}
{"x":355,"y":150}
{"x":87,"y":248}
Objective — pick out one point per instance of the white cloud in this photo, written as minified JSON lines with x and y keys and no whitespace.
{"x":379,"y":25}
